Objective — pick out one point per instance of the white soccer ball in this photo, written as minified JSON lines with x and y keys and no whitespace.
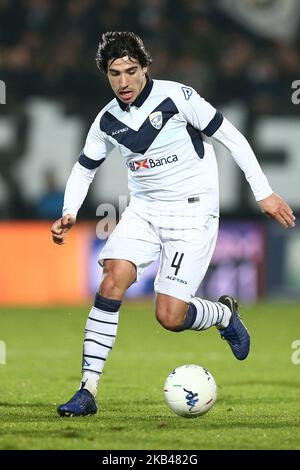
{"x":190,"y":390}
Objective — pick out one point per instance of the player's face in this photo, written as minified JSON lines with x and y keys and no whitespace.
{"x":127,"y":78}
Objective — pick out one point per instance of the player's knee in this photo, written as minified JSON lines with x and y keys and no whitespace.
{"x":169,"y":319}
{"x":111,"y":287}
{"x":117,"y":277}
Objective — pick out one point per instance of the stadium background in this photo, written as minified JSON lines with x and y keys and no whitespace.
{"x":243,"y":56}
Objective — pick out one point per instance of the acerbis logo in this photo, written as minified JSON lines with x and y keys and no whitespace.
{"x":120,"y":131}
{"x":151,"y":162}
{"x":173,"y":278}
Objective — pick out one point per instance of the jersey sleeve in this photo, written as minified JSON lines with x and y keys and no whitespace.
{"x":95,"y":151}
{"x":77,"y":188}
{"x":96,"y":147}
{"x":197,"y":111}
{"x":244,"y":156}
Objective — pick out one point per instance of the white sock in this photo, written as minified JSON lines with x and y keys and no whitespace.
{"x":100,"y":333}
{"x":210,"y":314}
{"x":90,"y":381}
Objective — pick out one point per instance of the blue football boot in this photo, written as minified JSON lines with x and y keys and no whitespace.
{"x":236,"y":334}
{"x":81,"y":404}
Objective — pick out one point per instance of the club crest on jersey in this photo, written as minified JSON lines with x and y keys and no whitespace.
{"x":156,"y":119}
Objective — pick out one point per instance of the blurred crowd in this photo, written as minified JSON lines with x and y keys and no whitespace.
{"x":48,"y":47}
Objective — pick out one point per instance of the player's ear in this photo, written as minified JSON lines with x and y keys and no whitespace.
{"x":145,"y":70}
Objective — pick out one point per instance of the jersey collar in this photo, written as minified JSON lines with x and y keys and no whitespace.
{"x":141,"y":98}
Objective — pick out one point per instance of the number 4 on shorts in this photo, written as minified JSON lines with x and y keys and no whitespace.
{"x":177,"y":266}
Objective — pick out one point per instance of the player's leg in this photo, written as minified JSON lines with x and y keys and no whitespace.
{"x":183,"y":266}
{"x":199,"y":314}
{"x":129,"y":250}
{"x":102,"y":322}
{"x":202,"y":314}
{"x":170,"y":311}
{"x":100,"y":333}
{"x":177,"y":315}
{"x":184,"y":262}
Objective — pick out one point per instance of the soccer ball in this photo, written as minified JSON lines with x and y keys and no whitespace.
{"x":190,"y":390}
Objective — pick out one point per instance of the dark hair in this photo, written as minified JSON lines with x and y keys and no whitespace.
{"x":115,"y":44}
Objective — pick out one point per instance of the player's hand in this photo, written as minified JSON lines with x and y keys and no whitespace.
{"x":276,"y":208}
{"x":61,"y":227}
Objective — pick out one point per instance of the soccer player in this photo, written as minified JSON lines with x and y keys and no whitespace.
{"x":163,"y":131}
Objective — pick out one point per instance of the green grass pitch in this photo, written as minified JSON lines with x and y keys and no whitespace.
{"x":258,"y":404}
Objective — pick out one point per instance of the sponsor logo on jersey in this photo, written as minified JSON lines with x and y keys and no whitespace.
{"x":151,"y":162}
{"x":187,"y":92}
{"x":141,"y":164}
{"x":119,"y":131}
{"x":156,"y":119}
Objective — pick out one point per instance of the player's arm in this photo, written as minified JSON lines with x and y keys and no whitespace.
{"x":270,"y":203}
{"x":94,"y":153}
{"x":75,"y":193}
{"x":61,"y":226}
{"x":276,"y":208}
{"x":204,"y":117}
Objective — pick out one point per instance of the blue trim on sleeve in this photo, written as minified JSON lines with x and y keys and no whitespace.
{"x":214,"y":124}
{"x":89,"y":163}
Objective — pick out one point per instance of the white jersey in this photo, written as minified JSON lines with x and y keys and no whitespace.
{"x":167,"y":156}
{"x":164,"y":138}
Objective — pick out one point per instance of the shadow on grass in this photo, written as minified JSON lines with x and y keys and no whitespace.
{"x":269,"y":383}
{"x":67,"y":433}
{"x":27,"y":412}
{"x":24,"y":405}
